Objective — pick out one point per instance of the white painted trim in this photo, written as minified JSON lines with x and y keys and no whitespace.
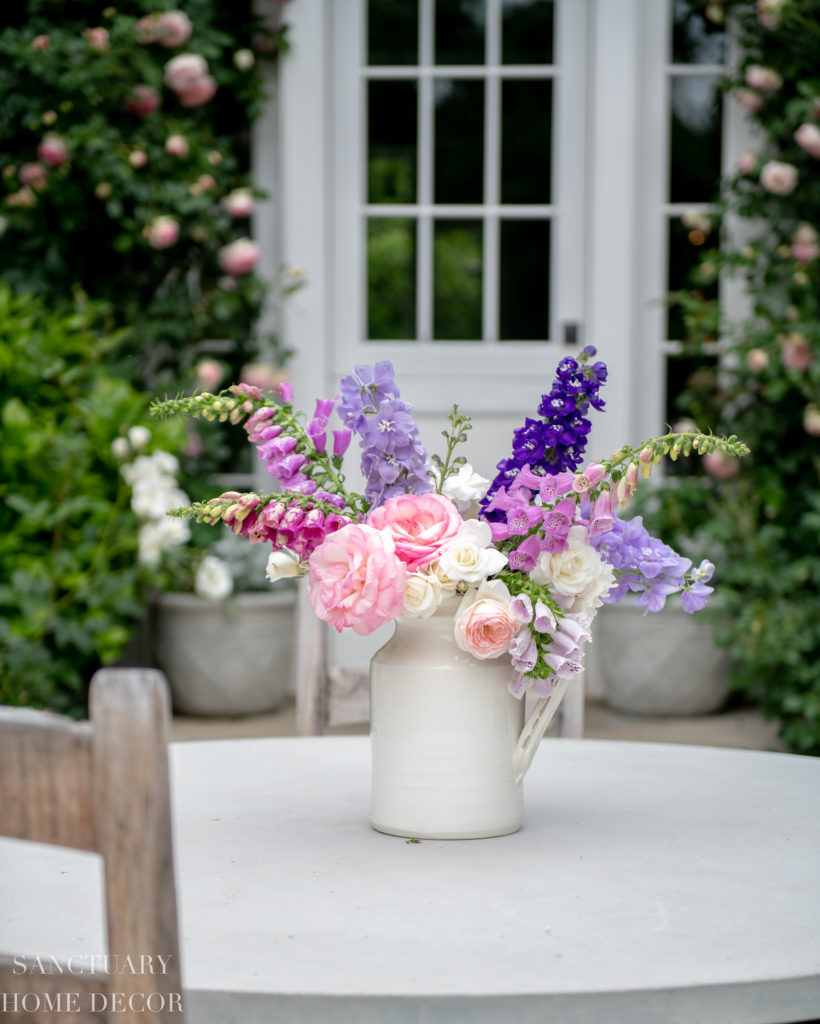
{"x":613,"y":243}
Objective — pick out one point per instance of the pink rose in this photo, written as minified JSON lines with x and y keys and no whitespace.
{"x":240,"y":257}
{"x":811,"y":420}
{"x":238,"y":203}
{"x":720,"y":466}
{"x":764,"y":79}
{"x":264,"y":376}
{"x":747,"y":161}
{"x":209,"y":374}
{"x":484,"y":625}
{"x":172,"y":28}
{"x":796,"y":353}
{"x":40,"y":43}
{"x":143,"y":100}
{"x":808,"y":137}
{"x":53,"y":150}
{"x":757,"y":359}
{"x":176,"y":145}
{"x":804,"y":244}
{"x":198,"y":93}
{"x":97,"y":38}
{"x":422,"y":526}
{"x":749,"y":99}
{"x":183,"y":70}
{"x":778,"y":178}
{"x":356,"y":580}
{"x":162,"y":232}
{"x":770,"y":13}
{"x":33,"y":174}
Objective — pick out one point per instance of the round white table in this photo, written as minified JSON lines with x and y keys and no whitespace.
{"x":650,"y":883}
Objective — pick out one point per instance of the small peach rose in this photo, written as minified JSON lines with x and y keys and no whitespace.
{"x":484,"y":624}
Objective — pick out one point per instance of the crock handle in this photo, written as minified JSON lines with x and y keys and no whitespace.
{"x":535,"y":727}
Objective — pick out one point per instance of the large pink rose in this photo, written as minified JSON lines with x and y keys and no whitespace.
{"x":422,"y":525}
{"x":356,"y":580}
{"x":484,"y":625}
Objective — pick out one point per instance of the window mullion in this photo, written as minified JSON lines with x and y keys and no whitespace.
{"x":492,"y":173}
{"x":424,"y":236}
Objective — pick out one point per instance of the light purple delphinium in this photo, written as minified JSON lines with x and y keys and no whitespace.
{"x":393,"y":459}
{"x":651,"y":569}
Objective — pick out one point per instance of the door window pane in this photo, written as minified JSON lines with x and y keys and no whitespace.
{"x":695,"y":39}
{"x":695,"y":139}
{"x":457,"y":265}
{"x":524,"y":280}
{"x":459,"y":141}
{"x":526,"y":146}
{"x":460,"y":31}
{"x":392,"y":32}
{"x":527,"y":31}
{"x":686,"y":246}
{"x":391,"y":142}
{"x":391,"y":279}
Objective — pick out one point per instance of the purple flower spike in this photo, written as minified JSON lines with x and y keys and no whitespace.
{"x":286,"y":392}
{"x":556,"y":442}
{"x":393,"y":459}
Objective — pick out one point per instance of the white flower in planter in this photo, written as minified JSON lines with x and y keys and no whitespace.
{"x":213,"y":579}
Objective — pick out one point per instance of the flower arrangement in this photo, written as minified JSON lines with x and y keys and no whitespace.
{"x":531,"y":555}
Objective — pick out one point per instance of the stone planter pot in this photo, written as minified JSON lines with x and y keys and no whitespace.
{"x":232,"y":657}
{"x":663,"y":663}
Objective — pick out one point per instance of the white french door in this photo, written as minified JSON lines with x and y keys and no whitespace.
{"x":477,"y":188}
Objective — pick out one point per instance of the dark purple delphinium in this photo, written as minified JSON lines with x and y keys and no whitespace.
{"x":556,"y":442}
{"x":393,"y":459}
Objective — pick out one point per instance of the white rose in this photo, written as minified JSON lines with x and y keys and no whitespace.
{"x":139,"y":437}
{"x":283,"y":565}
{"x":468,"y":557}
{"x":422,"y":594}
{"x":213,"y":579}
{"x":447,"y":585}
{"x":578,"y":576}
{"x":465,"y":487}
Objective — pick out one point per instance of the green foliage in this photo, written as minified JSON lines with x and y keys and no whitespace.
{"x":70,"y":589}
{"x":760,"y":525}
{"x":81,"y":227}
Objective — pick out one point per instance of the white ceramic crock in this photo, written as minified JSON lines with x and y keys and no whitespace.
{"x":448,"y":740}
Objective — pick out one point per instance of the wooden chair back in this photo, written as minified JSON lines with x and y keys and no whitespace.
{"x":100,"y":785}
